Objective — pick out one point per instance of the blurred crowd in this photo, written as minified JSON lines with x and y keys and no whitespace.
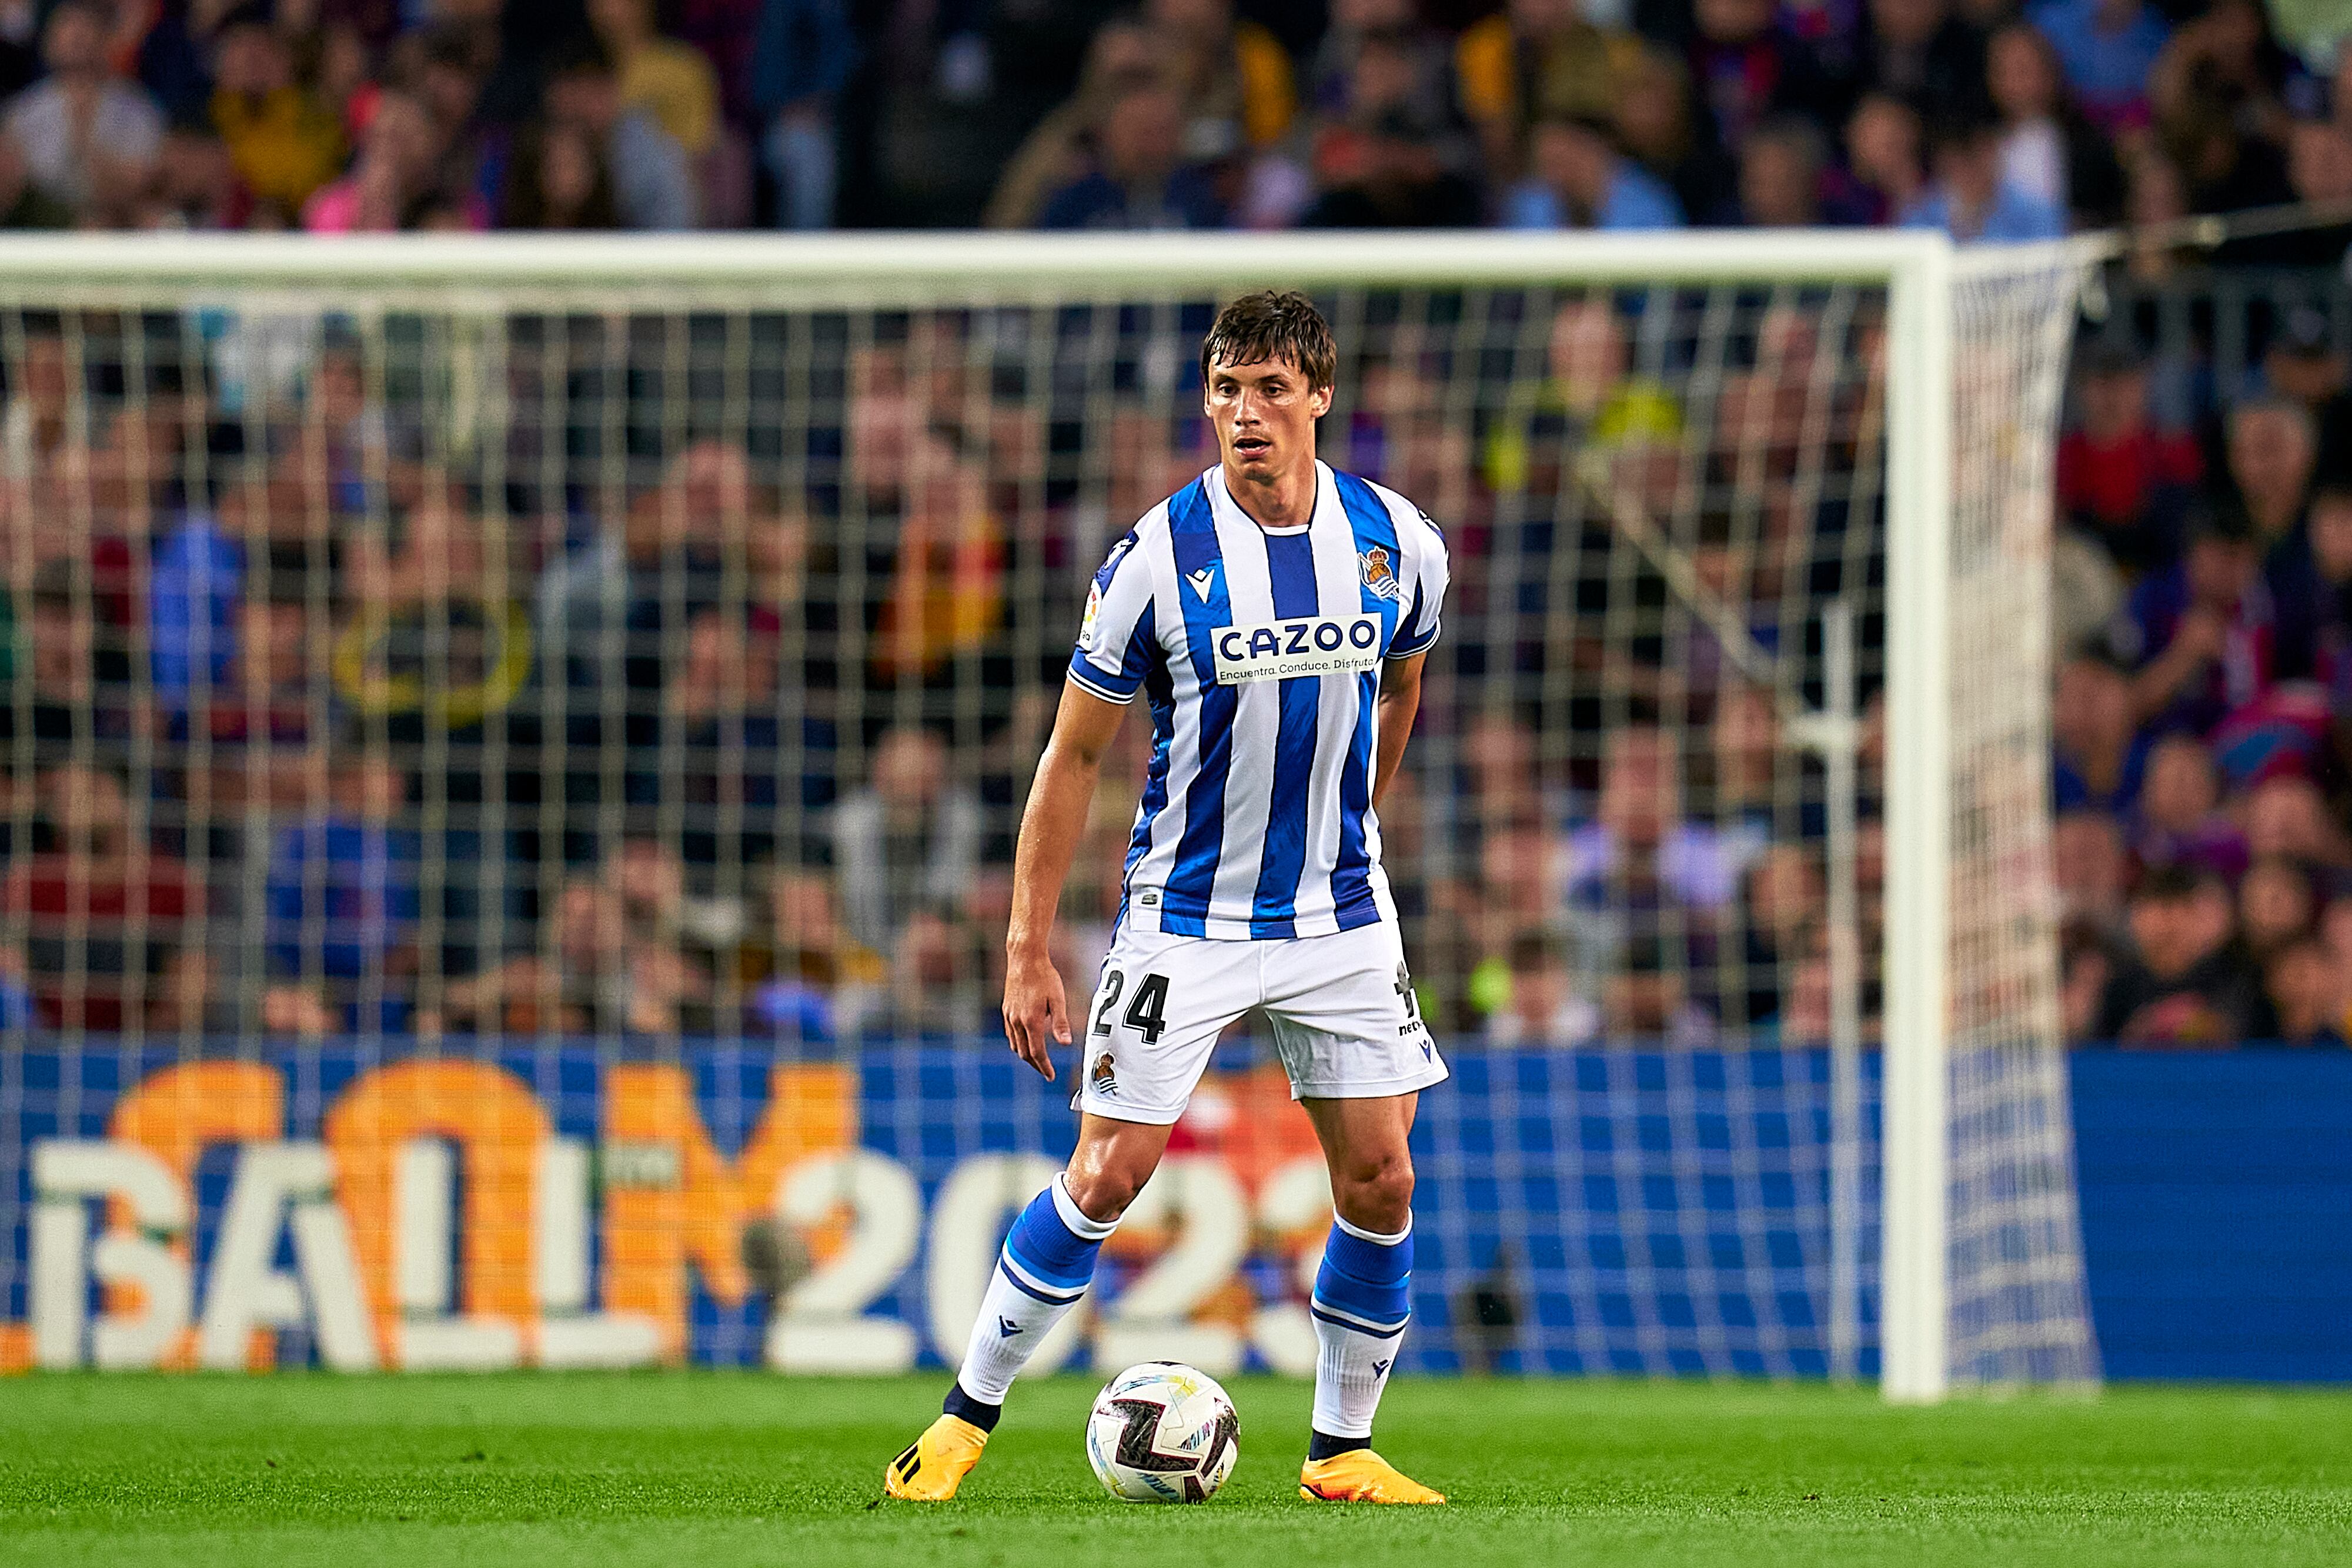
{"x":1992,"y":119}
{"x":333,"y":709}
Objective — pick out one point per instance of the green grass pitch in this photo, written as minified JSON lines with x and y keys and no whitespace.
{"x":723,"y":1468}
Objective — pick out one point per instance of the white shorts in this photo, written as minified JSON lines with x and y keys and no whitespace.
{"x":1346,"y":1023}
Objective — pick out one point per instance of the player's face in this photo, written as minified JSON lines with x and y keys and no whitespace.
{"x":1265,"y":416}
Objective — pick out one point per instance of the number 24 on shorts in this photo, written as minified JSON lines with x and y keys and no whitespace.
{"x":1146,"y":1010}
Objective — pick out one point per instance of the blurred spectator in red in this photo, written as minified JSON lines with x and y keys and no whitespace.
{"x":102,"y":912}
{"x":88,"y":135}
{"x":1543,"y":1009}
{"x":801,"y":58}
{"x":2107,"y":47}
{"x":282,"y":143}
{"x":652,"y":184}
{"x":670,"y":80}
{"x":2096,"y":764}
{"x":1577,"y":179}
{"x":396,"y":178}
{"x":2186,"y":984}
{"x":2179,"y":821}
{"x":556,"y":179}
{"x":2120,"y":479}
{"x":1138,"y":180}
{"x":2202,"y":629}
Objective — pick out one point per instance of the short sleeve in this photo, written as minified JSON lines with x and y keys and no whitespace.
{"x":1417,"y":631}
{"x":1117,"y":637}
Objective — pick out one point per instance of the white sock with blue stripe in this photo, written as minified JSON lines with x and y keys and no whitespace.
{"x":1363,"y":1298}
{"x":1047,"y":1262}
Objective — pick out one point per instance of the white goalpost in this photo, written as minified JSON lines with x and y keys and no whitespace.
{"x":1814,"y":496}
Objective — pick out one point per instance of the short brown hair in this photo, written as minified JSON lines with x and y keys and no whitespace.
{"x":1273,"y":324}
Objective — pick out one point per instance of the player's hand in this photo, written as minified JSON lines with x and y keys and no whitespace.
{"x":1036,"y":1013}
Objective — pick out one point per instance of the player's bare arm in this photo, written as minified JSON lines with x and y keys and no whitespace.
{"x":1400,"y":704}
{"x":1036,"y":1010}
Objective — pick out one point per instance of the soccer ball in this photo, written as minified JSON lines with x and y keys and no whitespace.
{"x":1163,"y":1432}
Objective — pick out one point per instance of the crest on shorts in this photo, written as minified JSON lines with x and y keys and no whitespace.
{"x":1106,"y":1081}
{"x":1378,"y":575}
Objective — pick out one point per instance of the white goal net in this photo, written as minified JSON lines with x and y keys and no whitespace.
{"x":585,"y":664}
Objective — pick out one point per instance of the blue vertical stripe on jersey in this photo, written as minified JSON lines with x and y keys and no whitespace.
{"x":1192,"y":533}
{"x":1351,"y":872}
{"x":1158,"y":692}
{"x":1290,"y":565}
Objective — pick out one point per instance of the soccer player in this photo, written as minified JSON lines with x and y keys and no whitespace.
{"x":1274,"y":613}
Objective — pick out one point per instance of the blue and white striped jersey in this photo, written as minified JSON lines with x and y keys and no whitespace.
{"x":1259,"y":649}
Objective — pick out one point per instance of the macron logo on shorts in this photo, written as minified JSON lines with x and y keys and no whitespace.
{"x":1281,"y":650}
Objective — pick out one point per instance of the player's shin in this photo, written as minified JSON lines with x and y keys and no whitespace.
{"x":1362,"y":1299}
{"x":1048,"y":1261}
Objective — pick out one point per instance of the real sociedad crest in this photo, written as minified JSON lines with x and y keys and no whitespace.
{"x":1377,"y":575}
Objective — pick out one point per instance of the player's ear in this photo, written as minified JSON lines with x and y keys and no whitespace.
{"x":1318,"y":402}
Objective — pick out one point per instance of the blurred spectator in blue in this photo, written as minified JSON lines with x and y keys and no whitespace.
{"x":653,"y":182}
{"x":1139,"y":179}
{"x":2047,"y":148}
{"x":1403,"y":182}
{"x":1748,"y":66}
{"x":2310,"y":579}
{"x":2106,"y":47}
{"x":908,"y":840}
{"x":1780,"y":167}
{"x":2186,"y":985}
{"x":1972,"y":201}
{"x":2201,"y":630}
{"x":1639,"y":845}
{"x":1123,"y":55}
{"x":89,"y":136}
{"x":344,"y":894}
{"x":801,"y":58}
{"x":2098,"y":756}
{"x":821,"y":986}
{"x":1578,"y":179}
{"x":194,"y":587}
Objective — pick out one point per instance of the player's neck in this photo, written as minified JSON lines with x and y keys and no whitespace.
{"x":1285,"y":501}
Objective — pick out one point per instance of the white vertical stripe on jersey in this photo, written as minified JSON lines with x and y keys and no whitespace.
{"x":1339,"y":588}
{"x":1257,"y":717}
{"x":1158,"y":863}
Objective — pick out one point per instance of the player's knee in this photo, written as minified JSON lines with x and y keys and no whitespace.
{"x":1103,"y":1188}
{"x":1376,"y":1193}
